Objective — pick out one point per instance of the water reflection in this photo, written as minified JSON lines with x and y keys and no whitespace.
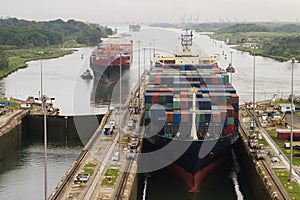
{"x":21,"y":174}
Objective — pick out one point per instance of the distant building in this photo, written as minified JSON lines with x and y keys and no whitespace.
{"x":286,"y":108}
{"x":285,"y":134}
{"x":26,"y":105}
{"x":247,"y":45}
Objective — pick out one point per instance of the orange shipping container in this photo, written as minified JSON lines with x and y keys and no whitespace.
{"x":216,"y":116}
{"x":185,"y":116}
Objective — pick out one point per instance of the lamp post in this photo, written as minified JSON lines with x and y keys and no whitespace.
{"x":120,"y":99}
{"x":144,"y":60}
{"x":253,"y":95}
{"x":66,"y":127}
{"x":150,"y":55}
{"x":153,"y":47}
{"x":43,"y":98}
{"x":231,"y":56}
{"x":139,"y":74}
{"x":293,"y":60}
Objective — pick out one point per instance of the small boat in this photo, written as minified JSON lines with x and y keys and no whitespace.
{"x":86,"y":75}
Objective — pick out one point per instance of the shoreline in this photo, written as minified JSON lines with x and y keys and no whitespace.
{"x":23,"y":64}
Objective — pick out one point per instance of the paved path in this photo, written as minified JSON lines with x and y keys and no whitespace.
{"x":6,"y":117}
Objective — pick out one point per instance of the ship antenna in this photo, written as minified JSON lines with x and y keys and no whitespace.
{"x":194,"y":110}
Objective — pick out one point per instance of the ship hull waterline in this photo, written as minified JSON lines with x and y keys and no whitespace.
{"x":189,"y":166}
{"x":108,"y":74}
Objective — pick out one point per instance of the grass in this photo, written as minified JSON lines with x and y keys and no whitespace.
{"x":19,"y":57}
{"x":72,"y":44}
{"x":286,"y":101}
{"x":282,"y":101}
{"x":293,"y":192}
{"x":113,"y":174}
{"x":257,"y":37}
{"x":89,"y":171}
{"x":13,"y":104}
{"x":261,"y":39}
{"x":264,"y":142}
{"x":90,"y":165}
{"x":280,"y":144}
{"x":89,"y":168}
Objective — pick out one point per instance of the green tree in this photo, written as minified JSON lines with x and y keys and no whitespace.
{"x":3,"y":59}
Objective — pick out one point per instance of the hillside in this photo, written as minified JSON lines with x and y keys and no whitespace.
{"x":23,"y":40}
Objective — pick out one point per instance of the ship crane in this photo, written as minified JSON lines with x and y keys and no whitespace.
{"x":194,"y":110}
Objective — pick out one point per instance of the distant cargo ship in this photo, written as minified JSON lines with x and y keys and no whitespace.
{"x":191,"y":113}
{"x":134,"y":27}
{"x":106,"y":60}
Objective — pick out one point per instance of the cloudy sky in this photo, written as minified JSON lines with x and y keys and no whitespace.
{"x":107,"y":11}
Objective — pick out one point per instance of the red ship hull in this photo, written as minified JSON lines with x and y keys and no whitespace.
{"x":106,"y":60}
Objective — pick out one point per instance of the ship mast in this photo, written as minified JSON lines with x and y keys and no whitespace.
{"x":194,"y":110}
{"x":187,"y":41}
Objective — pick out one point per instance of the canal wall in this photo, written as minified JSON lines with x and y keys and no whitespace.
{"x":65,"y":129}
{"x":62,"y":128}
{"x":133,"y":195}
{"x":11,"y":133}
{"x":253,"y":176}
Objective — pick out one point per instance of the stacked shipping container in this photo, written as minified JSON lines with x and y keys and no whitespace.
{"x":169,"y":101}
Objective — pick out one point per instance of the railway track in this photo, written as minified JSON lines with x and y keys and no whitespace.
{"x":272,"y":182}
{"x":59,"y":190}
{"x":277,"y":190}
{"x":88,"y":192}
{"x":123,"y":179}
{"x":61,"y":187}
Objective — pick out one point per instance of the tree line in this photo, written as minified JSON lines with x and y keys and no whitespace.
{"x":3,"y":59}
{"x":28,"y":34}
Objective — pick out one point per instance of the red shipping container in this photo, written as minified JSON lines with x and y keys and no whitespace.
{"x":230,"y":128}
{"x":235,"y":98}
{"x":189,"y":78}
{"x":155,"y":96}
{"x":236,"y":115}
{"x":230,"y":110}
{"x":157,"y":80}
{"x":176,"y":66}
{"x":169,"y":116}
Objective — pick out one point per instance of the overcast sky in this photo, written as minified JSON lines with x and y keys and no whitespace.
{"x":107,"y":11}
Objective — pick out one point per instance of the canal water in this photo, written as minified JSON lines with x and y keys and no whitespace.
{"x":21,"y":173}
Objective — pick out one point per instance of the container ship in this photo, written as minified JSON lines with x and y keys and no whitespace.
{"x":105,"y":61}
{"x":191,"y":114}
{"x":134,"y":27}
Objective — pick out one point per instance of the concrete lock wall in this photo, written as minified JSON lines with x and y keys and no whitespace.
{"x":10,"y":140}
{"x":252,"y":174}
{"x":60,"y":127}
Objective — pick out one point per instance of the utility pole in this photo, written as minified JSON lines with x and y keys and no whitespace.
{"x":293,"y":60}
